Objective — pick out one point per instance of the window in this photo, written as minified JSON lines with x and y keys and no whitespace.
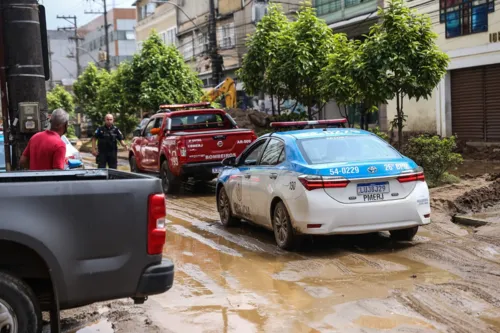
{"x":202,"y":45}
{"x":349,"y":148}
{"x":464,"y":17}
{"x":200,"y":121}
{"x":227,"y":39}
{"x":252,"y":155}
{"x":149,"y":127}
{"x":324,"y":7}
{"x":273,"y":153}
{"x":169,"y":37}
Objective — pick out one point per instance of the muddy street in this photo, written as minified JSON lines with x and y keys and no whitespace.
{"x":237,"y":280}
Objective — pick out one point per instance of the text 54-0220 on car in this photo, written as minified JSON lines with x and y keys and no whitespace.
{"x":323,"y":182}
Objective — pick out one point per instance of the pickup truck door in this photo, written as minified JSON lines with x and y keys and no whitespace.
{"x":244,"y":180}
{"x":146,"y":146}
{"x":265,"y":179}
{"x":154,"y":146}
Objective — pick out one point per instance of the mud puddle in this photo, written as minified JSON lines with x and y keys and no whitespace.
{"x":491,"y":214}
{"x":102,"y":326}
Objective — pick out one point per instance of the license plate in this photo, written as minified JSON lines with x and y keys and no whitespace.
{"x":373,"y":188}
{"x":216,"y":170}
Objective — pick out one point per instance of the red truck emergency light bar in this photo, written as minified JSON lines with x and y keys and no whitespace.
{"x":282,"y":124}
{"x":184,"y":106}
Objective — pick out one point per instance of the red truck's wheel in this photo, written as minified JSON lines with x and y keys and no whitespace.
{"x":170,"y":183}
{"x":133,"y":164}
{"x":19,"y":309}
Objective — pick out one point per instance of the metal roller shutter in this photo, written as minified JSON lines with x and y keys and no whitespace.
{"x":492,"y":102}
{"x":467,"y":103}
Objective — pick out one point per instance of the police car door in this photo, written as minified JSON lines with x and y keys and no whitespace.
{"x":265,"y":178}
{"x":240,"y":196}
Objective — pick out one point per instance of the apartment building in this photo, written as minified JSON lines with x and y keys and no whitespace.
{"x":121,"y":38}
{"x":62,"y":62}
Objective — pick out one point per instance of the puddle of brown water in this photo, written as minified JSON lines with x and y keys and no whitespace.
{"x":391,"y":322}
{"x":102,"y":326}
{"x":235,"y":279}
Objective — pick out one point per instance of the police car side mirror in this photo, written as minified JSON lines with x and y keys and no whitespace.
{"x":229,"y":161}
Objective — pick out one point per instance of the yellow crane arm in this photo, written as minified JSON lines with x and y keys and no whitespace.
{"x":226,"y":88}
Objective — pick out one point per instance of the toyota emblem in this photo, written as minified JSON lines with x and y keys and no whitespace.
{"x":220,"y":144}
{"x":372,"y":169}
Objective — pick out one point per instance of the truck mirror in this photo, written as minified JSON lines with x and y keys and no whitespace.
{"x":155,"y":131}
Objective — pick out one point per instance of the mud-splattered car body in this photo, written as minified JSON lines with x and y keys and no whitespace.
{"x":325,"y":181}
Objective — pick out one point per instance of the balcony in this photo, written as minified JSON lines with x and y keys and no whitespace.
{"x":333,"y":11}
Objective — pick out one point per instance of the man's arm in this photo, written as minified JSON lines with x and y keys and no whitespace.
{"x":59,"y":158}
{"x":97,"y":134}
{"x":121,"y":139}
{"x":25,"y":157}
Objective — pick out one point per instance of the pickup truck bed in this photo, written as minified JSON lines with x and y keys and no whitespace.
{"x":83,"y":236}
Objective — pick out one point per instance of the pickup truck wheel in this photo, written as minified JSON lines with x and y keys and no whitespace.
{"x":224,"y":207}
{"x":404,"y":234}
{"x":19,"y":309}
{"x":170,"y":183}
{"x":133,"y":164}
{"x":284,"y":234}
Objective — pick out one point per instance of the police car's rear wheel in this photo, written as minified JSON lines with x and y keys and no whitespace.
{"x":283,"y":230}
{"x":224,"y":207}
{"x":170,"y":183}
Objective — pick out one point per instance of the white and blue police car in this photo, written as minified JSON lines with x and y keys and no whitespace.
{"x":323,"y":181}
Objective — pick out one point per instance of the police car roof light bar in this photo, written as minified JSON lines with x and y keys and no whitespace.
{"x":183,"y":106}
{"x":282,"y":124}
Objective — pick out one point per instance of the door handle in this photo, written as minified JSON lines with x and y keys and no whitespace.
{"x":247,"y":176}
{"x":273,"y":176}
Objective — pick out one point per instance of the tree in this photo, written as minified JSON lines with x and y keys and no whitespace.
{"x":60,"y":98}
{"x":336,"y":78}
{"x":87,"y":89}
{"x":159,"y":75}
{"x":263,"y":49}
{"x":113,"y":98}
{"x":304,"y":50}
{"x":400,"y":59}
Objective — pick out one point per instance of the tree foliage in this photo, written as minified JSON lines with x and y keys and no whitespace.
{"x":160,"y":75}
{"x":263,"y":50}
{"x":156,"y":75}
{"x":60,"y":98}
{"x":399,"y":59}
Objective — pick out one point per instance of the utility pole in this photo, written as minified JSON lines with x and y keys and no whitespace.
{"x":106,"y":31}
{"x":74,"y":27}
{"x":212,"y":40}
{"x":26,"y":70}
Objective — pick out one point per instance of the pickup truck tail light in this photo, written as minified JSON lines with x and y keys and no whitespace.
{"x":156,"y":223}
{"x":311,"y":182}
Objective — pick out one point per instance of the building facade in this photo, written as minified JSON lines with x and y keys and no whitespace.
{"x":121,"y":38}
{"x":63,"y":66}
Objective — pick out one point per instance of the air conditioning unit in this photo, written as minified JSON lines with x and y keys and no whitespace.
{"x":259,"y":9}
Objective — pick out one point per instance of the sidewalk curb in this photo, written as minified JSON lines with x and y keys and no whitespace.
{"x":470,"y":221}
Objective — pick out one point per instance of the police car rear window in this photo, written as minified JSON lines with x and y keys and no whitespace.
{"x":348,"y":148}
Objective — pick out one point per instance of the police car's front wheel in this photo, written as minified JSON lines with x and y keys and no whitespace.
{"x":284,"y":234}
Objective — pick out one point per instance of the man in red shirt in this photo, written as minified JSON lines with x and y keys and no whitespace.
{"x":46,"y":150}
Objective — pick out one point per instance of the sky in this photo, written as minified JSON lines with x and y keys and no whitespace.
{"x":78,"y":8}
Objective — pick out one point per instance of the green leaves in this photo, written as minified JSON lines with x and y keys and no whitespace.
{"x":157,"y":75}
{"x":60,"y":98}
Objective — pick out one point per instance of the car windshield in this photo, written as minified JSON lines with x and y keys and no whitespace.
{"x":200,"y":121}
{"x":65,"y":139}
{"x":350,"y":148}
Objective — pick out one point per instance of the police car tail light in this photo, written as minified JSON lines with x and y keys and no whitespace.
{"x":156,"y":223}
{"x":314,"y":182}
{"x":412,"y":176}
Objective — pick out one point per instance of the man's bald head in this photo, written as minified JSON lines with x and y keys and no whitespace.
{"x":108,"y":120}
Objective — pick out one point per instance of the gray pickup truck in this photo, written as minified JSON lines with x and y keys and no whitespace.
{"x":72,"y":238}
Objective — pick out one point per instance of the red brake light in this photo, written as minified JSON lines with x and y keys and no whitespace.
{"x":314,"y":182}
{"x":156,"y":223}
{"x":414,"y":177}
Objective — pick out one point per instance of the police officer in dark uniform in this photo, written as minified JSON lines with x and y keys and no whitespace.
{"x":108,"y":137}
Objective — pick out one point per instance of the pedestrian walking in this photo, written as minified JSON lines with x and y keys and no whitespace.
{"x":46,"y":150}
{"x":108,"y":137}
